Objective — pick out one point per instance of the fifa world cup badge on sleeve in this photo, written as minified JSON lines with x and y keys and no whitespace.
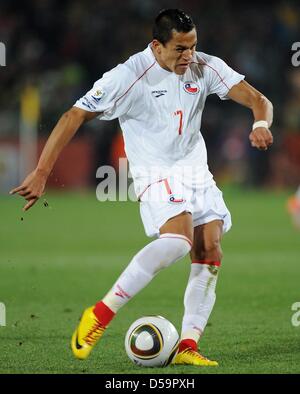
{"x":98,"y":95}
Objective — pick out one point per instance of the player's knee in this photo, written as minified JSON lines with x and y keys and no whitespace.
{"x":210,"y":251}
{"x":178,"y":245}
{"x":213,"y":250}
{"x":182,"y":248}
{"x":162,"y":252}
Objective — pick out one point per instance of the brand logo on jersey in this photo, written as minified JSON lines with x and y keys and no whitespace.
{"x":158,"y":93}
{"x":86,"y":102}
{"x":175,"y":200}
{"x":97,"y":95}
{"x":191,"y":87}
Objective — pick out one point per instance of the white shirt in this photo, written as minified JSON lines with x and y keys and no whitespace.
{"x":160,"y":114}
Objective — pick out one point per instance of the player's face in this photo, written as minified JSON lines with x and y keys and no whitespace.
{"x":176,"y":55}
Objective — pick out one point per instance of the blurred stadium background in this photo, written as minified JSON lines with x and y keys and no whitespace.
{"x":59,"y":259}
{"x":57,"y":49}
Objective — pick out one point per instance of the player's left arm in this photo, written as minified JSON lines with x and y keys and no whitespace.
{"x":262,"y":108}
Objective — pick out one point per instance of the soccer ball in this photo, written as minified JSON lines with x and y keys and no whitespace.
{"x":151,"y":341}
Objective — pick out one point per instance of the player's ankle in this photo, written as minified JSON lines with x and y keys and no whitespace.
{"x":187,"y":343}
{"x":103,"y":313}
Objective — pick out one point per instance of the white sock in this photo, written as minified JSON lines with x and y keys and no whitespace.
{"x":144,"y":266}
{"x":199,"y":299}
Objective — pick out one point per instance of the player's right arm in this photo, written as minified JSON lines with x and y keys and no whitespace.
{"x":33,"y":185}
{"x":109,"y":98}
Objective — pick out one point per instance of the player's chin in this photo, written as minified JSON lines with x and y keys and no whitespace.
{"x":180,"y":70}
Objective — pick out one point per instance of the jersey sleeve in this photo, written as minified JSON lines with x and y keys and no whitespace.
{"x":111,"y":95}
{"x":221,"y":77}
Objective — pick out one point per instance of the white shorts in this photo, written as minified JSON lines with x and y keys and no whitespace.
{"x":168,"y":197}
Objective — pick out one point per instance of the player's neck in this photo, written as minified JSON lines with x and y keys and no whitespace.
{"x":159,"y":61}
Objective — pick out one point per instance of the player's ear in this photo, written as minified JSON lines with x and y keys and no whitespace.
{"x":157,"y":46}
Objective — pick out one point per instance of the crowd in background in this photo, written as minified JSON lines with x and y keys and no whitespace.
{"x":64,"y":46}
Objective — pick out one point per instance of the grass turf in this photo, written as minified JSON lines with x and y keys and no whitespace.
{"x":62,"y":258}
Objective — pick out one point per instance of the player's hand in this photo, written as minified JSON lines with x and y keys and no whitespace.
{"x":32,"y":188}
{"x":261,"y":138}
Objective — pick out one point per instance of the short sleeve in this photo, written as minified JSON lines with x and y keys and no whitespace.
{"x":111,"y":95}
{"x":221,"y":77}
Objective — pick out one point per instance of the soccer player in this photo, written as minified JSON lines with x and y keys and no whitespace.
{"x":159,"y":96}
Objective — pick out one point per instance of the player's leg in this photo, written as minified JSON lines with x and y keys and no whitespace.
{"x":173,"y":243}
{"x":180,"y":224}
{"x":199,"y":299}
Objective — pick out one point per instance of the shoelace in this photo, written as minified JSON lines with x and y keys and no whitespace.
{"x":192,"y":352}
{"x":94,"y":334}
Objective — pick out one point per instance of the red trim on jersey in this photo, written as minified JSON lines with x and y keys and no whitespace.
{"x":177,"y":236}
{"x":169,"y":191}
{"x":134,"y":83}
{"x":147,"y":187}
{"x":208,"y":262}
{"x":205,"y":64}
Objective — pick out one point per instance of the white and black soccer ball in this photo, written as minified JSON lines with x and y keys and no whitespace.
{"x":152,"y":341}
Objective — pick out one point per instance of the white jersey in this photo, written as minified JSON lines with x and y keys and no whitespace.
{"x":160,"y":114}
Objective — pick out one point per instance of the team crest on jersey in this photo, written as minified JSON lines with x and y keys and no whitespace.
{"x":191,"y":87}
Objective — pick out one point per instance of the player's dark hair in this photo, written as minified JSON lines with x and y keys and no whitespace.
{"x":169,"y":20}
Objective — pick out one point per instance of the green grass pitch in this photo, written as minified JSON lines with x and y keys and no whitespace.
{"x":62,"y":258}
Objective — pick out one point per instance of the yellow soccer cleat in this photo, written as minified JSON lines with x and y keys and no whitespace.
{"x":87,"y":334}
{"x":192,"y":357}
